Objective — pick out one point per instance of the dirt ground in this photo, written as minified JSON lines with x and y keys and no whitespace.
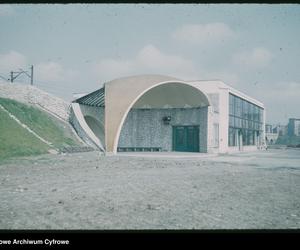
{"x":258,"y":190}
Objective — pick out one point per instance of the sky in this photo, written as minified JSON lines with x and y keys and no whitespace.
{"x":75,"y":48}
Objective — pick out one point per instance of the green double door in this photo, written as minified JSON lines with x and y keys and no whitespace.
{"x":186,"y":138}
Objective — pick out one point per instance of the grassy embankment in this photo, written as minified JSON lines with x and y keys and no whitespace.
{"x":17,"y":141}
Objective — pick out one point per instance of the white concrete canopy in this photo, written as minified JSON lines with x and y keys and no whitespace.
{"x":125,"y":93}
{"x":172,"y":95}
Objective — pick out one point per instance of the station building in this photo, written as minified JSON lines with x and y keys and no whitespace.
{"x":166,"y":114}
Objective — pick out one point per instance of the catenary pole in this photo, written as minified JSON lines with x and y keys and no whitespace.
{"x":31,"y":78}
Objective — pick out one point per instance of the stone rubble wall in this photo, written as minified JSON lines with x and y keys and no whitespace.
{"x":145,"y":127}
{"x":34,"y":96}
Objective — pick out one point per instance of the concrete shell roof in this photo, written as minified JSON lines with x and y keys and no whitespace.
{"x":121,"y":94}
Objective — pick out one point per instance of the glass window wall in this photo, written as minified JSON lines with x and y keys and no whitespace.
{"x":245,"y":118}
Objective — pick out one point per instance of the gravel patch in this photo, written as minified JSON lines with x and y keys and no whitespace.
{"x":258,"y":190}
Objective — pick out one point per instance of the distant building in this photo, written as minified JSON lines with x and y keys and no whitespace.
{"x":271,"y":137}
{"x":294,"y":127}
{"x":280,"y":130}
{"x":268,"y":128}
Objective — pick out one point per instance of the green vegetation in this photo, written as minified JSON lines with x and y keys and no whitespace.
{"x":288,"y":140}
{"x":17,"y":141}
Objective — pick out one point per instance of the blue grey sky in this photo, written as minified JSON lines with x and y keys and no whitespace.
{"x":76,"y":47}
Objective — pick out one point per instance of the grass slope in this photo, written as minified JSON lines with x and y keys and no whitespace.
{"x":16,"y":141}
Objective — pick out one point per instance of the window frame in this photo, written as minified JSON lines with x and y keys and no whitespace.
{"x":244,"y":116}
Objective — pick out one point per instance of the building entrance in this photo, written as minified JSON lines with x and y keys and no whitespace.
{"x":186,"y":138}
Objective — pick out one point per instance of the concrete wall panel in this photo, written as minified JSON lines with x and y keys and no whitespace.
{"x":145,"y":127}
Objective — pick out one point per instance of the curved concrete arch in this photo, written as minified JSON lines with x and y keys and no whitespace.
{"x":206,"y":100}
{"x":96,"y":126}
{"x":85,"y":127}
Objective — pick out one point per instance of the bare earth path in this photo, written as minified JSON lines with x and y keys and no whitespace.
{"x":87,"y":191}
